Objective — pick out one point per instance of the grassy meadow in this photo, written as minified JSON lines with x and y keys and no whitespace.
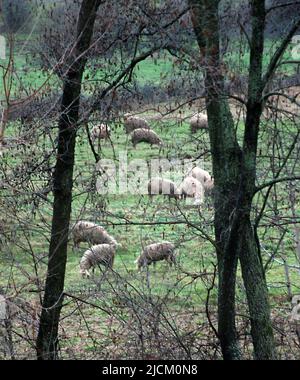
{"x":134,"y":221}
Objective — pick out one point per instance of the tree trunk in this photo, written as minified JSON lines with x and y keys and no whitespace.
{"x":257,"y":294}
{"x":250,"y":259}
{"x":3,"y":123}
{"x":226,"y":163}
{"x":234,"y":169}
{"x":47,"y":341}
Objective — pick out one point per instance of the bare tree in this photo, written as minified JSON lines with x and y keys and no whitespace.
{"x":235,"y":168}
{"x":159,"y":312}
{"x":47,"y":341}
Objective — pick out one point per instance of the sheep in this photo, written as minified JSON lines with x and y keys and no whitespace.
{"x":192,"y":188}
{"x":3,"y":307}
{"x":134,"y":122}
{"x":295,"y":315}
{"x":91,"y":233}
{"x":161,"y":186}
{"x":204,"y":177}
{"x":145,"y":135}
{"x":100,"y":132}
{"x":103,"y":254}
{"x":198,"y":122}
{"x":8,"y":311}
{"x":156,"y":252}
{"x":2,"y":231}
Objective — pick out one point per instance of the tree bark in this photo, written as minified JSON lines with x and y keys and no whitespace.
{"x":47,"y":340}
{"x":257,"y":294}
{"x":226,"y":162}
{"x":234,"y":169}
{"x":249,"y":254}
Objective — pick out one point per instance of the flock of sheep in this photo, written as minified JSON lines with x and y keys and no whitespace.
{"x":195,"y":185}
{"x":139,"y":130}
{"x":104,"y":248}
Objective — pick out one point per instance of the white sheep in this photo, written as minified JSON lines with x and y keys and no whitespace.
{"x":102,"y":254}
{"x":100,"y":132}
{"x":161,"y":186}
{"x":134,"y":122}
{"x":145,"y":135}
{"x":157,"y":252}
{"x":91,"y":233}
{"x":3,"y":307}
{"x":198,"y":122}
{"x":192,"y":188}
{"x":295,"y":315}
{"x":204,"y":177}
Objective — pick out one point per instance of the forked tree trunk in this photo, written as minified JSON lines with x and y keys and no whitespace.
{"x":257,"y":294}
{"x":47,"y":341}
{"x":234,"y":169}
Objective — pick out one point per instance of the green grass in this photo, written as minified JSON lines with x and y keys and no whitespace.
{"x":153,"y":71}
{"x":195,"y":255}
{"x":237,"y":58}
{"x":28,"y":77}
{"x":121,"y":207}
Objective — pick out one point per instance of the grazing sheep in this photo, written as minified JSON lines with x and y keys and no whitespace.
{"x":145,"y":135}
{"x":91,"y":233}
{"x":295,"y":315}
{"x":100,"y":132}
{"x":2,"y":231}
{"x":3,"y":307}
{"x":134,"y":122}
{"x":192,"y":188}
{"x":161,"y":186}
{"x":157,"y":252}
{"x":103,"y":254}
{"x":198,"y":122}
{"x":204,"y":177}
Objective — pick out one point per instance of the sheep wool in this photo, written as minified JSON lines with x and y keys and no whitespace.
{"x":100,"y":132}
{"x":161,"y":186}
{"x":145,"y":135}
{"x":102,"y":254}
{"x":204,"y":177}
{"x":157,"y":252}
{"x":192,"y":188}
{"x":198,"y":122}
{"x":91,"y":233}
{"x":134,"y":122}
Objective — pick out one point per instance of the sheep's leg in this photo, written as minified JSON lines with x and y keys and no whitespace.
{"x":76,"y":244}
{"x":169,"y":261}
{"x":173,"y":260}
{"x":148,"y":277}
{"x":154,"y":267}
{"x":111,"y":263}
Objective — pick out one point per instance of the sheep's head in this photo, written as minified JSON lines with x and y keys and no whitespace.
{"x":116,"y":245}
{"x":296,"y":300}
{"x":84,"y":273}
{"x":140,"y":262}
{"x":209,"y":184}
{"x":198,"y":201}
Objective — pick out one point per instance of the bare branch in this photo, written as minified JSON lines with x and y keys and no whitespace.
{"x":279,"y":53}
